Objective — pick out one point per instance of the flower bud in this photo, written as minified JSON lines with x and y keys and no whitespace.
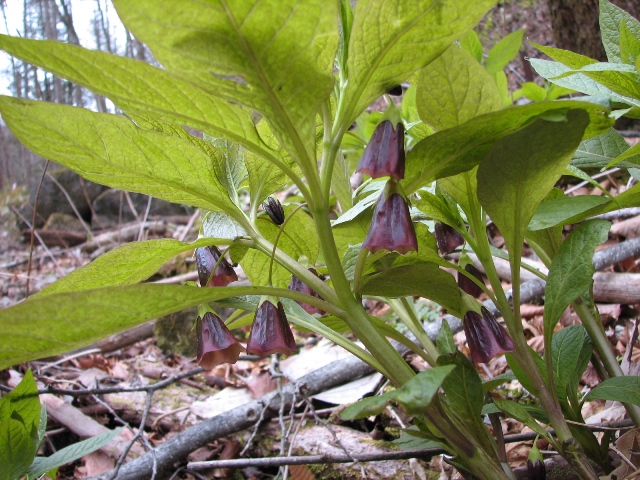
{"x":270,"y":332}
{"x":298,"y":285}
{"x":391,"y":227}
{"x":466,"y":284}
{"x":384,"y":154}
{"x":485,"y":336}
{"x":214,"y":342}
{"x":206,"y":260}
{"x":448,"y":238}
{"x":274,"y":209}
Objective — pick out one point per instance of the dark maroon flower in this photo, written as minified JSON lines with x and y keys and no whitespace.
{"x":391,"y":227}
{"x":298,"y":285}
{"x":448,"y":238}
{"x":214,"y":342}
{"x":384,"y":154}
{"x":466,"y":284}
{"x":485,"y":336}
{"x":206,"y":259}
{"x":396,"y":90}
{"x":536,"y":470}
{"x":274,"y":209}
{"x":270,"y":332}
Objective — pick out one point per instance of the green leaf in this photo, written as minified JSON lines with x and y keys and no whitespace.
{"x":23,"y":401}
{"x":136,"y":86}
{"x":42,"y":465}
{"x":390,"y":41}
{"x":368,"y":407}
{"x":463,"y":390}
{"x":634,"y":151}
{"x":504,"y":51}
{"x":557,"y":211}
{"x":17,"y":449}
{"x":125,"y":265}
{"x":521,"y":375}
{"x":557,"y":73}
{"x":444,"y":339}
{"x":514,"y":178}
{"x":611,"y":18}
{"x":422,"y":279}
{"x":519,"y":412}
{"x":572,"y":270}
{"x":629,"y":44}
{"x":598,"y":152}
{"x":471,"y":44}
{"x":434,"y":207}
{"x":416,"y":395}
{"x":52,"y":324}
{"x":496,"y":381}
{"x":230,"y":168}
{"x":568,"y":354}
{"x":271,"y":56}
{"x":454,"y":88}
{"x":621,"y":389}
{"x":461,"y":148}
{"x":532,"y":91}
{"x":219,"y":225}
{"x":113,"y":151}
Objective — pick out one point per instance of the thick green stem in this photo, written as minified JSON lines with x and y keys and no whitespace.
{"x":600,"y":342}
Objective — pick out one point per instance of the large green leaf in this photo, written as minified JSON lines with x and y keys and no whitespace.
{"x":461,"y":148}
{"x":125,"y":265}
{"x":572,"y":270}
{"x":136,"y":86}
{"x":514,"y":177}
{"x":610,"y":19}
{"x":455,"y":88}
{"x":274,"y":56}
{"x":422,"y":279}
{"x":113,"y":151}
{"x":48,"y":325}
{"x":390,"y":40}
{"x":416,"y":395}
{"x":620,"y":389}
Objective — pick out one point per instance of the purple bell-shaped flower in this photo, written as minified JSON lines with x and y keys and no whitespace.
{"x":391,"y":227}
{"x":206,"y":259}
{"x":466,"y":284}
{"x":214,"y":342}
{"x":485,"y":336}
{"x":274,"y":209}
{"x":384,"y":154}
{"x":448,"y":238}
{"x":270,"y":332}
{"x":298,"y":285}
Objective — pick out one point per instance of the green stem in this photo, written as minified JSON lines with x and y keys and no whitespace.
{"x":357,"y":274}
{"x":593,"y":327}
{"x":404,"y":310}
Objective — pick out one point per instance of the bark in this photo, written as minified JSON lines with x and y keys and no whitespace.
{"x":576,"y":27}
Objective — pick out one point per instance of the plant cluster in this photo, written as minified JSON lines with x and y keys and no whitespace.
{"x":278,"y":89}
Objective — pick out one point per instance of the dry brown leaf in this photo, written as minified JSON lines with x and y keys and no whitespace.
{"x":300,"y":472}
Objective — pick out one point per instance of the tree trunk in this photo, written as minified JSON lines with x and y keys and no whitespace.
{"x":576,"y":28}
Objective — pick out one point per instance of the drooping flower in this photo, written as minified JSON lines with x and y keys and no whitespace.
{"x":485,"y":336}
{"x":536,"y":470}
{"x":391,"y":227}
{"x":274,"y":209}
{"x":466,"y":284}
{"x":214,"y":342}
{"x":270,"y":332}
{"x":298,"y":285}
{"x":384,"y":154}
{"x":206,"y":259}
{"x":448,"y":238}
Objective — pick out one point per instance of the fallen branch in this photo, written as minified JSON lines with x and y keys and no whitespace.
{"x":534,"y":289}
{"x":176,"y":449}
